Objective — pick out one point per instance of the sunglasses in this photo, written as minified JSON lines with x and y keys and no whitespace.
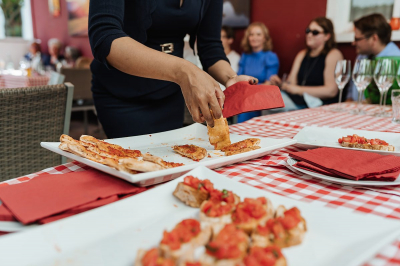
{"x":313,"y":32}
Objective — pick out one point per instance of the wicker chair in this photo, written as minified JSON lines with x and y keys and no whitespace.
{"x":29,"y":116}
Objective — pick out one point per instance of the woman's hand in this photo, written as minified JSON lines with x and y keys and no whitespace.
{"x":235,"y":79}
{"x":202,"y":94}
{"x":293,"y":89}
{"x":275,"y":80}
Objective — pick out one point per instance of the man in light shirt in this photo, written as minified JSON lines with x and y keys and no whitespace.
{"x":372,"y":36}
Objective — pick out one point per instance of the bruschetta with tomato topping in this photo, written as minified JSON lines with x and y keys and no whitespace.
{"x":216,"y":212}
{"x":187,"y":235}
{"x":193,"y":152}
{"x":252,"y":212}
{"x":268,"y":256}
{"x":193,"y":191}
{"x":355,"y":141}
{"x":152,"y":257}
{"x":228,"y":248}
{"x":285,"y":230}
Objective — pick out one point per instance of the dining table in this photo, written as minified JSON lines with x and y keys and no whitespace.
{"x":16,"y":79}
{"x":270,"y":172}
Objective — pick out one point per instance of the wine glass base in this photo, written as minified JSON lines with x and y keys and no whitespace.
{"x":358,"y":112}
{"x":337,"y":109}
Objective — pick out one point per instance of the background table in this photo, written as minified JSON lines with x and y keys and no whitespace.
{"x":270,"y":173}
{"x":18,"y":81}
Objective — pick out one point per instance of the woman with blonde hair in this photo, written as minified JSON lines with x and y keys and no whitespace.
{"x":313,"y":68}
{"x":257,"y":60}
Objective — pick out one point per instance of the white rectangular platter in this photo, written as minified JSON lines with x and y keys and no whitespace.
{"x":112,"y":234}
{"x":160,"y":144}
{"x":314,"y":137}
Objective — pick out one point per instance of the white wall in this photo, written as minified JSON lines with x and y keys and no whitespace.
{"x":13,"y":48}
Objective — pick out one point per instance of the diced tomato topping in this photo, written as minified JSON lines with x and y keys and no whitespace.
{"x":182,"y":233}
{"x":226,"y":244}
{"x":152,"y":258}
{"x":340,"y":140}
{"x":192,"y":264}
{"x":203,"y":185}
{"x":263,"y":230}
{"x":224,"y":195}
{"x":249,"y":209}
{"x":217,"y":209}
{"x":276,"y":227}
{"x":259,"y":256}
{"x":347,"y":139}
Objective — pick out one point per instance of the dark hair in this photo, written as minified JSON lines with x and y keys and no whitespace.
{"x":245,"y":41}
{"x":374,"y":24}
{"x":230,"y":34}
{"x":327,"y":25}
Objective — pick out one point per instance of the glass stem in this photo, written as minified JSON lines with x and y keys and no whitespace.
{"x":340,"y":97}
{"x":384,"y":98}
{"x":380,"y":101}
{"x":359,"y":101}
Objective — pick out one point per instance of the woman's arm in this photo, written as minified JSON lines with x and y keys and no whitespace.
{"x":329,"y":89}
{"x":272,"y":66}
{"x":111,"y":46}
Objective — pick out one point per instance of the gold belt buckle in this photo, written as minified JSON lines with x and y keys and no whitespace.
{"x":167,"y":48}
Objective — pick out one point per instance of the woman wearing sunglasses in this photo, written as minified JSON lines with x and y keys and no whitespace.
{"x":313,"y":68}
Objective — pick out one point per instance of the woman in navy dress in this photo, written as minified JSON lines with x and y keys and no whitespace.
{"x":257,"y":60}
{"x":140,"y":81}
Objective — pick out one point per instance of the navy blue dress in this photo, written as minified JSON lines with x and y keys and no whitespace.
{"x":128,"y":105}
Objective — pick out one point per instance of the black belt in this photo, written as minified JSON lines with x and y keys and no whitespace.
{"x":167,"y":48}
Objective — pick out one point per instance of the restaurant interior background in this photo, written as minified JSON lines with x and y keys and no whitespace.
{"x":286,"y":20}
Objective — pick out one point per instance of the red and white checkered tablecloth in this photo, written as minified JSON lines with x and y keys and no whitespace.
{"x":14,"y":81}
{"x":270,"y":173}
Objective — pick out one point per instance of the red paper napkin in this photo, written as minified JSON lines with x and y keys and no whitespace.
{"x":49,"y":195}
{"x":349,"y":164}
{"x":243,"y":97}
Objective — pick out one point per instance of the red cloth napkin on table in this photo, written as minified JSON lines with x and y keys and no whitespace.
{"x":243,"y":97}
{"x":50,"y":195}
{"x":349,"y":164}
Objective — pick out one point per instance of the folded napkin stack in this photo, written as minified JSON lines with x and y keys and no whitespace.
{"x":350,"y":164}
{"x":243,"y":97}
{"x":51,"y":197}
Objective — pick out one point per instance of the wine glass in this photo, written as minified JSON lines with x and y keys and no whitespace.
{"x":362,"y":77}
{"x":384,"y":74}
{"x":342,"y":76}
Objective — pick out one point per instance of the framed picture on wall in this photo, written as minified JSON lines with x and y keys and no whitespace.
{"x":78,"y":12}
{"x":236,"y":13}
{"x":344,"y":12}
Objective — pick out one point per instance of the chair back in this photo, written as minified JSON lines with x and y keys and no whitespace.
{"x":83,"y":62}
{"x":82,"y":81}
{"x":29,"y":116}
{"x":56,"y":78}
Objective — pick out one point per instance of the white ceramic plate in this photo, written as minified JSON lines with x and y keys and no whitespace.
{"x":342,"y":181}
{"x":160,"y":144}
{"x":112,"y":234}
{"x":314,"y":137}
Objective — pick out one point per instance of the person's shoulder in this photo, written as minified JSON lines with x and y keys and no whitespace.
{"x":271,"y":58}
{"x":334,"y":54}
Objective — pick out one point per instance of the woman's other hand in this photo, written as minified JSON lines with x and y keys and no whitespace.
{"x":202,"y":94}
{"x":293,"y":89}
{"x":235,"y":79}
{"x":275,"y":80}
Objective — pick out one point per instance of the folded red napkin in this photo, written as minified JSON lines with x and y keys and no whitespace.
{"x":351,"y":164}
{"x":243,"y":97}
{"x":49,"y":195}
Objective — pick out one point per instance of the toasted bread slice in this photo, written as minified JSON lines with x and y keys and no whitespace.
{"x":193,"y":152}
{"x":230,"y":153}
{"x":189,"y":195}
{"x":219,"y":134}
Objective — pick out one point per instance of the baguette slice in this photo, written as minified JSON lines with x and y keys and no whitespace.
{"x":193,"y":152}
{"x":219,"y":134}
{"x":189,"y":195}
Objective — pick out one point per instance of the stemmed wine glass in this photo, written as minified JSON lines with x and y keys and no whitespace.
{"x":362,"y":76}
{"x":384,"y":74}
{"x":342,"y":76}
